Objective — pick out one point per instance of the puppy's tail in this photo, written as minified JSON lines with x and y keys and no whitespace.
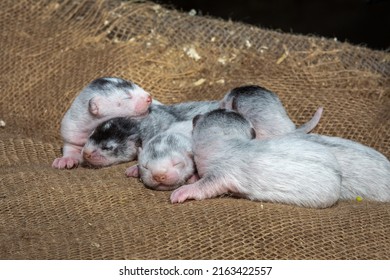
{"x":312,"y":123}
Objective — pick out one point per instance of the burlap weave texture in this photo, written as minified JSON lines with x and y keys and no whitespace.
{"x":51,"y":49}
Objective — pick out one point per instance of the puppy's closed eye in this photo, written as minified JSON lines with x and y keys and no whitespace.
{"x":178,"y":164}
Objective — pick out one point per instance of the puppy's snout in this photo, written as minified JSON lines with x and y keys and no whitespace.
{"x":149,"y":99}
{"x":159,"y":177}
{"x":87,"y":154}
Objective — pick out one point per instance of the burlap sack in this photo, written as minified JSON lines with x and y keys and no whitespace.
{"x":51,"y":49}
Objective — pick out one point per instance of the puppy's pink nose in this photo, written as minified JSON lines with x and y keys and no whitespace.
{"x":149,"y":99}
{"x":87,"y":155}
{"x":159,"y":177}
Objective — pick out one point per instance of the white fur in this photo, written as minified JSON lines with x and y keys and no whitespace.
{"x":92,"y":107}
{"x":264,"y":110}
{"x":365,"y":171}
{"x":284,"y":169}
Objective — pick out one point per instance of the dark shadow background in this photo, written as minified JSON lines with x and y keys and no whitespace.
{"x":360,"y":22}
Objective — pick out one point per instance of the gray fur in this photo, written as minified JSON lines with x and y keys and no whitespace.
{"x":283,"y":169}
{"x":166,"y":161}
{"x":168,"y":155}
{"x":138,"y":131}
{"x":125,"y":136}
{"x":265,"y":111}
{"x":112,"y":142}
{"x":365,"y":171}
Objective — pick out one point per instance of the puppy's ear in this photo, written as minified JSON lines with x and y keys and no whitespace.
{"x":234,"y":103}
{"x":133,"y":171}
{"x":137,"y":142}
{"x":93,"y":106}
{"x":253,"y":133}
{"x":190,"y":154}
{"x":195,"y":120}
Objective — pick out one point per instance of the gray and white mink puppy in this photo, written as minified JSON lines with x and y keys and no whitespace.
{"x":284,"y":169}
{"x":166,"y":161}
{"x":101,"y":100}
{"x":365,"y":171}
{"x":117,"y":140}
{"x":265,"y":111}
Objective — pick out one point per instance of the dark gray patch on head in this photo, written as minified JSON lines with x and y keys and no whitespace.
{"x":251,"y":95}
{"x":226,"y":116}
{"x":118,"y":130}
{"x":103,"y":83}
{"x":109,"y":82}
{"x":172,"y":141}
{"x":100,"y":82}
{"x":229,"y":122}
{"x":248,"y":90}
{"x":151,"y":149}
{"x":162,"y":145}
{"x":124,"y":84}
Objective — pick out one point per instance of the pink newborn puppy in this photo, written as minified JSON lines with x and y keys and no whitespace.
{"x":103,"y":99}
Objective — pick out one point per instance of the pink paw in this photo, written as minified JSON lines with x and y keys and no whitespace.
{"x":65,"y":162}
{"x":132,"y":171}
{"x":182,"y":194}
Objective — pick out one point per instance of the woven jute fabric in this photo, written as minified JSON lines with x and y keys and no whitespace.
{"x":50,"y":50}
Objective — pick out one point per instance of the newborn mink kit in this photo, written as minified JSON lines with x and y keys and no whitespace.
{"x":101,"y":100}
{"x":112,"y":142}
{"x":244,"y":144}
